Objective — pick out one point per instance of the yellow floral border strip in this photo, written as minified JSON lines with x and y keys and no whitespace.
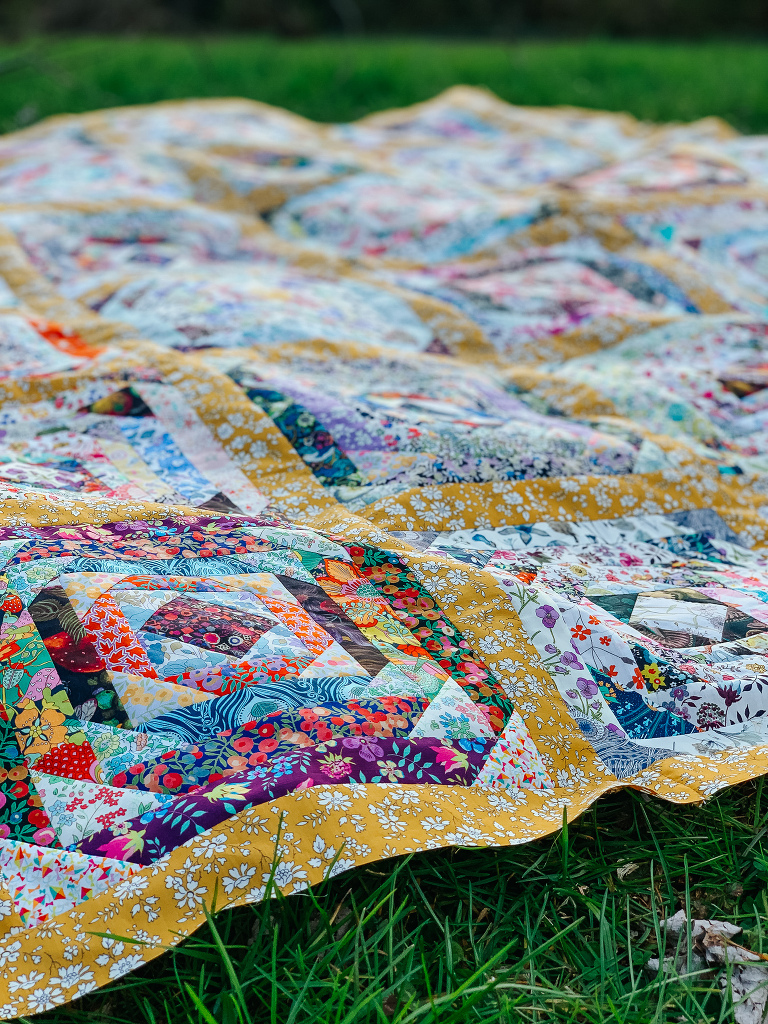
{"x":296,"y":841}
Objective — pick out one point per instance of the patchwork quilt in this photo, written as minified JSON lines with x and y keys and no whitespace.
{"x":364,"y":489}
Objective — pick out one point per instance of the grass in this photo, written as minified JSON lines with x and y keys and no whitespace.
{"x":543,"y":933}
{"x":337,"y":80}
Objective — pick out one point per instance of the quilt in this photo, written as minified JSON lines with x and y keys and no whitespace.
{"x":365,"y":489}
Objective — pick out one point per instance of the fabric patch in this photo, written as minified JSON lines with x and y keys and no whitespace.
{"x":208,"y":626}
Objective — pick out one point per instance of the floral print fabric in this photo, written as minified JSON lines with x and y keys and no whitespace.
{"x":364,"y":489}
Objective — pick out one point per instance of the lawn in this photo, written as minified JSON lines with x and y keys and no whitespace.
{"x":336,"y":80}
{"x":558,"y":930}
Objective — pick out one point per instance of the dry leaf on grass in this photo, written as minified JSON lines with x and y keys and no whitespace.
{"x":713,"y":947}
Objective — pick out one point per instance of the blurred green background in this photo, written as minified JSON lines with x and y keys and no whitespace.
{"x":464,"y":18}
{"x":337,"y":78}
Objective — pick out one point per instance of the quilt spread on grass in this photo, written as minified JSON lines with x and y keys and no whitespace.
{"x":364,"y":489}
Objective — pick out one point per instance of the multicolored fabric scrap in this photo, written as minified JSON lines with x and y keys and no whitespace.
{"x":364,"y":489}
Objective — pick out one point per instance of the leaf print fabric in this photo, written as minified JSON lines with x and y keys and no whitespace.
{"x":364,"y":489}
